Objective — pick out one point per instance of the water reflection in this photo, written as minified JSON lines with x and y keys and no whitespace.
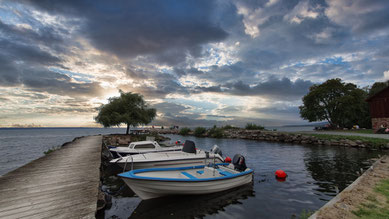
{"x":334,"y":169}
{"x":196,"y":206}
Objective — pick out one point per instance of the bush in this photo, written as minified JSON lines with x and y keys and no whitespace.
{"x":216,"y":132}
{"x":184,"y":131}
{"x":227,"y":127}
{"x":199,"y":131}
{"x":252,"y":126}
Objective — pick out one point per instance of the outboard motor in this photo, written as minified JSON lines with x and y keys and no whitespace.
{"x":239,"y":162}
{"x":189,"y":147}
{"x":216,"y":150}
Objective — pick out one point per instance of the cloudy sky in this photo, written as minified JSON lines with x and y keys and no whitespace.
{"x":198,"y":62}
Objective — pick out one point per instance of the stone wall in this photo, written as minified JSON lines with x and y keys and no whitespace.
{"x":377,"y":122}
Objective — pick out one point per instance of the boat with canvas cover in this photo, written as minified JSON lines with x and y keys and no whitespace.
{"x":189,"y":156}
{"x":194,"y":180}
{"x":141,"y":147}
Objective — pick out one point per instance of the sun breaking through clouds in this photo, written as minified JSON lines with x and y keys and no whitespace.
{"x":198,"y":62}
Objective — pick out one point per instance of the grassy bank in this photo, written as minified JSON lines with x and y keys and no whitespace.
{"x":377,"y":204}
{"x":374,"y":142}
{"x":362,"y":131}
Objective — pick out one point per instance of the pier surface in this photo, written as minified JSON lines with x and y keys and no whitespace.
{"x":62,"y":184}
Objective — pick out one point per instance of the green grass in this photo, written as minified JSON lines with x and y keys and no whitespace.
{"x":375,"y":142}
{"x":305,"y":214}
{"x":51,"y":150}
{"x":372,"y":208}
{"x":362,"y":131}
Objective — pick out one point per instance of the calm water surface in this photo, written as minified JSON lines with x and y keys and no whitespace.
{"x":19,"y":146}
{"x":314,"y":174}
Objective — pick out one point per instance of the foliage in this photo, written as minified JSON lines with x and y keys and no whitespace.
{"x":227,"y":127}
{"x":305,"y":214}
{"x":375,"y":142}
{"x":377,"y":87}
{"x":184,"y":131}
{"x":51,"y":150}
{"x":216,"y":132}
{"x":129,"y":108}
{"x":341,"y":104}
{"x":372,"y":207}
{"x":252,"y":126}
{"x":199,"y":131}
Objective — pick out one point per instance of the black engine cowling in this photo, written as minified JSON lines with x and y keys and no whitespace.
{"x":189,"y":147}
{"x":239,"y":162}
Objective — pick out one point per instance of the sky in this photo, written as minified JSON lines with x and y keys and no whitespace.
{"x":198,"y":62}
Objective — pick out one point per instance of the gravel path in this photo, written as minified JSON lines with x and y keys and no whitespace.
{"x":383,"y":136}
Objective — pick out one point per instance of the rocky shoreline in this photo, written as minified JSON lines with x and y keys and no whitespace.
{"x":275,"y":136}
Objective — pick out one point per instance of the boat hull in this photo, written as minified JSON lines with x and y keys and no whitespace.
{"x":149,"y":189}
{"x":168,"y":163}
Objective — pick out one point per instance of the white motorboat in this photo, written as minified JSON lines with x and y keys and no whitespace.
{"x":195,"y":180}
{"x":141,"y":147}
{"x":189,"y":156}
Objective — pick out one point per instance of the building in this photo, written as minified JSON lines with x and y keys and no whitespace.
{"x":379,"y":109}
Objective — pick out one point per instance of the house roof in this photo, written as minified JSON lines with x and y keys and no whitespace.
{"x":377,"y":94}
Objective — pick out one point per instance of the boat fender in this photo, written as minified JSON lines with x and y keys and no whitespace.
{"x":239,"y":162}
{"x":280,"y":174}
{"x":227,"y":160}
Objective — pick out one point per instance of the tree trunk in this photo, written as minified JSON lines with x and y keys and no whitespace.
{"x":128,"y":129}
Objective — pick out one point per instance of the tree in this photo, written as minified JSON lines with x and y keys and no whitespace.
{"x":129,"y":108}
{"x":341,"y":104}
{"x":377,"y":87}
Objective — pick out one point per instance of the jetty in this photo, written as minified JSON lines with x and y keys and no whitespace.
{"x":62,"y":184}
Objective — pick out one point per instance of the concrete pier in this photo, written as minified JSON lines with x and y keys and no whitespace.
{"x":62,"y":184}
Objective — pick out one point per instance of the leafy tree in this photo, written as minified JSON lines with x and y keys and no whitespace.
{"x":129,"y":108}
{"x":377,"y":87}
{"x":341,"y":104}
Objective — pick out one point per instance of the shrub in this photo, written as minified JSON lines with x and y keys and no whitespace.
{"x":199,"y":131}
{"x":227,"y":127}
{"x":184,"y":131}
{"x":252,"y":126}
{"x":216,"y":132}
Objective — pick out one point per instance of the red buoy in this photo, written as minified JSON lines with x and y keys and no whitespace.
{"x":280,"y":174}
{"x":227,"y":160}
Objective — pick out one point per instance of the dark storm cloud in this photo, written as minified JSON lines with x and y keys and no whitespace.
{"x":169,"y":109}
{"x":167,"y":29}
{"x":282,"y":89}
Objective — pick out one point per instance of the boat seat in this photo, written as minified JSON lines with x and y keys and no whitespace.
{"x":190,"y":176}
{"x":224,"y":173}
{"x":200,"y":171}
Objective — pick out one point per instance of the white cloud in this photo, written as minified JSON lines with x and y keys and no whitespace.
{"x":300,"y":12}
{"x":386,"y":75}
{"x":252,"y":18}
{"x":271,"y":2}
{"x":349,"y":12}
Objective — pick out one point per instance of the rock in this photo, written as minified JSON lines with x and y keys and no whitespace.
{"x":351,"y":143}
{"x":358,"y":142}
{"x":328,"y":143}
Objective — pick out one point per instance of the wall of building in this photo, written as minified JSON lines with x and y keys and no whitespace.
{"x":377,"y":122}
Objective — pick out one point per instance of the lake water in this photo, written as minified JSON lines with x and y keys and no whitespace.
{"x":19,"y":146}
{"x":315,"y":173}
